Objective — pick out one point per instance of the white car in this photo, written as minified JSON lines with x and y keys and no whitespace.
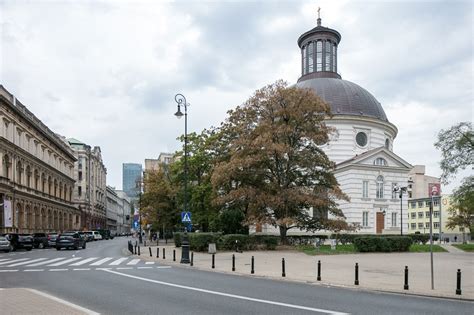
{"x":96,"y":235}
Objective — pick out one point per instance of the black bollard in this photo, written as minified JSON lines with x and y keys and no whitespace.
{"x":157,"y":252}
{"x":144,"y":243}
{"x":164,"y":253}
{"x":252,"y":271}
{"x":356,"y":282}
{"x":283,"y":273}
{"x":405,"y":286}
{"x":174,"y":255}
{"x":151,"y":255}
{"x":458,"y":283}
{"x":192,"y":258}
{"x":213,"y":261}
{"x":138,"y":250}
{"x":319,"y":270}
{"x":233,"y":262}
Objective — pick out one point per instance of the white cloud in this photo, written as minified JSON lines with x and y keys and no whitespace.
{"x":106,"y":72}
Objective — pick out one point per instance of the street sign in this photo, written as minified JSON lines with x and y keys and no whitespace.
{"x":186,"y":217}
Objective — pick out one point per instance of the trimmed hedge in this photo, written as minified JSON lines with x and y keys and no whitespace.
{"x":382,"y":244}
{"x":304,"y":239}
{"x":420,"y":238}
{"x":200,"y":241}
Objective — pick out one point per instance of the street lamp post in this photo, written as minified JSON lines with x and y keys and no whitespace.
{"x":434,"y":191}
{"x":181,"y":101}
{"x":138,"y":184}
{"x":400,"y":190}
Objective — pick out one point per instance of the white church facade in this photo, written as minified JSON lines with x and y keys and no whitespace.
{"x":367,"y":169}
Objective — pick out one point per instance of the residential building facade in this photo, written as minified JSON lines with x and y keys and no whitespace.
{"x":36,"y":173}
{"x":419,"y":184}
{"x":419,"y":218}
{"x":90,"y":189}
{"x":124,"y":215}
{"x":113,"y":209}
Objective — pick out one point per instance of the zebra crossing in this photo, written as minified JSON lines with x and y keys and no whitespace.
{"x":65,"y":262}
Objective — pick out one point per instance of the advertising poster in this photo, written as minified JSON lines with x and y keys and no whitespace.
{"x":434,"y":189}
{"x":8,"y":213}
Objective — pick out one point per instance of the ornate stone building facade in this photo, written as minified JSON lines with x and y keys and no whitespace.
{"x":36,"y":173}
{"x":90,"y":189}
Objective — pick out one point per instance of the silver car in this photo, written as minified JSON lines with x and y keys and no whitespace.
{"x":5,"y":244}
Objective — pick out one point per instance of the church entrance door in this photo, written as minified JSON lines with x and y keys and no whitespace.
{"x":380,"y":223}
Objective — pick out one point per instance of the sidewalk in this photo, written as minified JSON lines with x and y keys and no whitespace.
{"x":28,"y":301}
{"x":381,"y":271}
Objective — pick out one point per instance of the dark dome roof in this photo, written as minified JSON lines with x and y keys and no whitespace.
{"x":345,"y":98}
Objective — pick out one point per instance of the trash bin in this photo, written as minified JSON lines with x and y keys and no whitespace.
{"x":212,"y":248}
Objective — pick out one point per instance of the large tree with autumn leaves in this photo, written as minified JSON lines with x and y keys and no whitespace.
{"x":273,"y":166}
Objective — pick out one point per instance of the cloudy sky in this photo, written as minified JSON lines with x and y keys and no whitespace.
{"x":106,"y":72}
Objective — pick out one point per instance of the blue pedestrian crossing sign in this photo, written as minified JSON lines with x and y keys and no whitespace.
{"x":186,"y":217}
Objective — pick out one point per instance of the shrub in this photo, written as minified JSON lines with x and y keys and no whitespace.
{"x":177,"y":239}
{"x":382,"y":243}
{"x":304,"y":239}
{"x":228,"y":242}
{"x":268,"y":242}
{"x":420,"y":238}
{"x":200,"y":241}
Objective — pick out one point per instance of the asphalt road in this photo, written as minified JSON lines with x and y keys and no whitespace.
{"x":104,"y":279}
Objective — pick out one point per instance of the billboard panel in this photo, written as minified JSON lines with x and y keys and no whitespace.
{"x":8,"y":213}
{"x":434,"y":189}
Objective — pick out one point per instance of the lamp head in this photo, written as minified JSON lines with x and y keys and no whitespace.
{"x":179,"y":113}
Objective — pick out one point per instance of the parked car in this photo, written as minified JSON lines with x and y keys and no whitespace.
{"x":52,"y":239}
{"x":97,"y":235}
{"x":18,"y":241}
{"x":5,"y":244}
{"x":89,"y":236}
{"x":40,"y":240}
{"x":106,"y":234}
{"x":70,"y":240}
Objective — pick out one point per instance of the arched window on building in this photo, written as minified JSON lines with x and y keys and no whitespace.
{"x":380,"y":161}
{"x":319,"y":55}
{"x":327,"y":61}
{"x":304,"y":63}
{"x":387,"y":144}
{"x":379,"y":187}
{"x":28,"y":176}
{"x":6,"y":166}
{"x":334,"y":47}
{"x":19,"y":171}
{"x":310,"y":57}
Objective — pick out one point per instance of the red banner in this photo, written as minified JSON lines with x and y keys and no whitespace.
{"x":434,"y":189}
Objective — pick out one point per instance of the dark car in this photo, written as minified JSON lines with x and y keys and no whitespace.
{"x":52,"y":239}
{"x":19,"y":241}
{"x":70,"y":240}
{"x":40,"y":240}
{"x":106,"y":234}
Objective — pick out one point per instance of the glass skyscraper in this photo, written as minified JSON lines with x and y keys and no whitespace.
{"x":131,"y":172}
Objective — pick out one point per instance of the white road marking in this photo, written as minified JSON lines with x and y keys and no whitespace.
{"x":150,"y":263}
{"x":124,"y":268}
{"x":59,"y":269}
{"x":105,"y":269}
{"x":100,"y":262}
{"x":81,"y":269}
{"x":85,"y":261}
{"x":77,"y":307}
{"x":26,"y":262}
{"x":163,"y":267}
{"x":65,"y":262}
{"x":4,"y":259}
{"x":12,"y":261}
{"x":33,"y":270}
{"x":240,"y":297}
{"x":134,"y":262}
{"x":46,"y":262}
{"x":144,"y":267}
{"x":10,"y":270}
{"x":118,"y":261}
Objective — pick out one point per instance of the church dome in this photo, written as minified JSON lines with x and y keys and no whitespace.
{"x":345,"y":97}
{"x":319,"y":72}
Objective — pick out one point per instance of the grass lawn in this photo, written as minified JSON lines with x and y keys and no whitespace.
{"x":349,"y":249}
{"x":326,"y":249}
{"x":419,"y":248}
{"x":465,"y":247}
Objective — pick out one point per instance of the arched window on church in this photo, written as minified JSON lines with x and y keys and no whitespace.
{"x":310,"y":57}
{"x":305,"y":62}
{"x":334,"y":47}
{"x":319,"y":55}
{"x":379,"y":187}
{"x":327,"y":63}
{"x":380,"y":161}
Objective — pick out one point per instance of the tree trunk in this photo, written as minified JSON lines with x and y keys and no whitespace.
{"x":283,"y":231}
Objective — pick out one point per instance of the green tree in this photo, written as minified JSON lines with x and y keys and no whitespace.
{"x":200,"y":191}
{"x":462,"y":207}
{"x":457,"y":149}
{"x":159,"y":202}
{"x":273,"y":167}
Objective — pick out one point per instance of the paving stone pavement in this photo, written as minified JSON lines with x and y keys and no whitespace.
{"x":380,"y":271}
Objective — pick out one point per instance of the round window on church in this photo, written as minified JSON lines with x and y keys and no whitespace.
{"x":361,"y":139}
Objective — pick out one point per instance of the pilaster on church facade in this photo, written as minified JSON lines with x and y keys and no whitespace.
{"x":36,"y":173}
